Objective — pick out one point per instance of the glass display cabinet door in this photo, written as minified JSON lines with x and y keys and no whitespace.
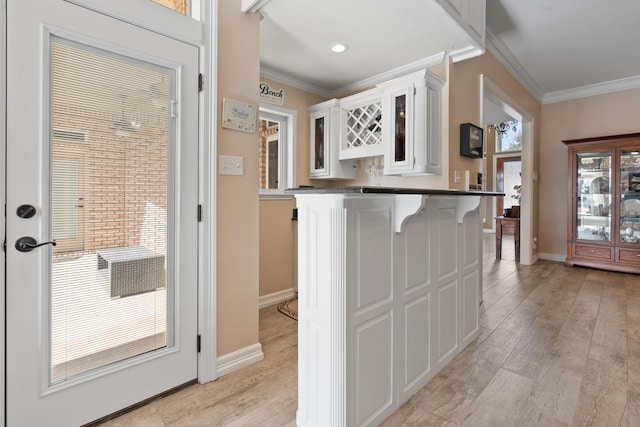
{"x":629,"y":196}
{"x":400,"y":130}
{"x":319,"y":144}
{"x":593,"y":199}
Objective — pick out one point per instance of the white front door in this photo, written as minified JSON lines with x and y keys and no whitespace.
{"x":102,"y":157}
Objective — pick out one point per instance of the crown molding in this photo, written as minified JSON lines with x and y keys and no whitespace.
{"x":506,"y":58}
{"x":500,"y":51}
{"x":592,"y":90}
{"x":293,"y":82}
{"x":412,"y":67}
{"x":367,"y":83}
{"x":466,"y":53}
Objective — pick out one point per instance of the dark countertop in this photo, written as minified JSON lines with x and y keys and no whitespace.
{"x":388,"y":190}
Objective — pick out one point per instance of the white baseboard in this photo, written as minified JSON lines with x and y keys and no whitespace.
{"x":552,"y":257}
{"x":239,"y":359}
{"x":275,"y":298}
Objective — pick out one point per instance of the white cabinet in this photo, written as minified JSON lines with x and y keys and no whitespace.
{"x":325,"y":130}
{"x":413,"y":124}
{"x":471,"y":16}
{"x":400,"y":120}
{"x":361,"y":125}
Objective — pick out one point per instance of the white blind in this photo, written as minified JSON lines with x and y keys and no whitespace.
{"x":110,"y":193}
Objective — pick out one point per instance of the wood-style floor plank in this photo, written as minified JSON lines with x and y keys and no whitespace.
{"x":558,"y":347}
{"x":504,"y":403}
{"x":557,"y":387}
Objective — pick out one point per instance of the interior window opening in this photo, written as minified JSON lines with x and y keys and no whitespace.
{"x":269,"y":158}
{"x":508,"y":136}
{"x":276,"y":150}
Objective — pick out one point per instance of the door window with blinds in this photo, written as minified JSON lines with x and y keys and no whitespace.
{"x":110,"y":193}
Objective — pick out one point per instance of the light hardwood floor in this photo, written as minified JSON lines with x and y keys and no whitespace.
{"x":559,"y":346}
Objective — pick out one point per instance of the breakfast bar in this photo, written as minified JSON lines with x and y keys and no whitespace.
{"x":390,"y":282}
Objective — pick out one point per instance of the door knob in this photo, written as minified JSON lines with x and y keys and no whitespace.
{"x":27,"y":244}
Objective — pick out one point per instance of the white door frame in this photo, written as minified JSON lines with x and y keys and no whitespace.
{"x":526,"y":215}
{"x":3,"y":197}
{"x":207,"y":358}
{"x":207,"y":293}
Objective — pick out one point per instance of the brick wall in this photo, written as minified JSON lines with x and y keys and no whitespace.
{"x":262,"y":153}
{"x":263,"y":133}
{"x":123,"y":179}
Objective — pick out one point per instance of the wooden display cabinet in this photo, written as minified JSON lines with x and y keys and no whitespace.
{"x":603,"y":229}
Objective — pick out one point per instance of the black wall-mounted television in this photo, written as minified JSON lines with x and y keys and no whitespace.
{"x":471,"y":141}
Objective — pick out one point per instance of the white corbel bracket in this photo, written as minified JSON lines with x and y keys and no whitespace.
{"x":466,"y":204}
{"x":407,"y":205}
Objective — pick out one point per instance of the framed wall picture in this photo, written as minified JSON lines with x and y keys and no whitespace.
{"x":471,"y":141}
{"x":237,"y":115}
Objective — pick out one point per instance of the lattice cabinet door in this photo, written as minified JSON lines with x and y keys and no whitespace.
{"x":362,"y":125}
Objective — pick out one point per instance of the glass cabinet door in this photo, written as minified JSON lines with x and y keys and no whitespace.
{"x":319,"y":143}
{"x":320,"y":123}
{"x":629,"y":196}
{"x":399,"y":119}
{"x":593,"y":199}
{"x":400,"y":128}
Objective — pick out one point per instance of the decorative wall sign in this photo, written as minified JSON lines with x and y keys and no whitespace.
{"x":237,"y":115}
{"x":272,"y":96}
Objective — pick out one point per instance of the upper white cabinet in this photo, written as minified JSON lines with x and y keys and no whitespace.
{"x":413,"y":124}
{"x":471,"y":16}
{"x":325,"y":129}
{"x":361,"y":125}
{"x":400,"y":119}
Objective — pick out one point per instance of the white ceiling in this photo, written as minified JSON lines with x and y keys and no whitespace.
{"x":558,"y":49}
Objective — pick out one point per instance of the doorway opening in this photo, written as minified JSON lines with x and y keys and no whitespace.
{"x":508,"y":181}
{"x":497,"y":108}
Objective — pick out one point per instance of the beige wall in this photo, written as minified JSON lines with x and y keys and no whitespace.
{"x":464,"y":99}
{"x":237,"y":196}
{"x":611,"y":114}
{"x":276,"y":246}
{"x":276,"y":227}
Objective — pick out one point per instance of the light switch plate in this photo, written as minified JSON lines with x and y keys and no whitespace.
{"x":230,"y":165}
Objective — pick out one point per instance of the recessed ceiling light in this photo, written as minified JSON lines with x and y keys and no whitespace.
{"x":339,"y":47}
